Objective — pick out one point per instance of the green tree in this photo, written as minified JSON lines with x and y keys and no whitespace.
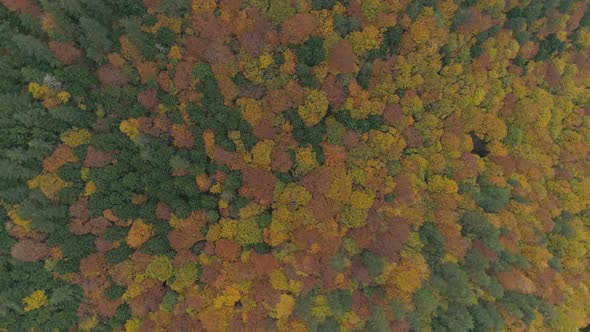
{"x":311,"y":52}
{"x":391,"y":40}
{"x":373,"y":263}
{"x":33,"y":50}
{"x":486,"y":317}
{"x":322,"y":4}
{"x":119,"y":254}
{"x":434,"y":244}
{"x":453,"y":283}
{"x":96,"y":40}
{"x":455,"y":318}
{"x":346,"y":24}
{"x":523,"y":306}
{"x":548,"y":47}
{"x":166,"y":37}
{"x":114,"y":292}
{"x":279,"y":11}
{"x":377,"y":322}
{"x":477,"y":226}
{"x":490,"y":197}
{"x":425,"y":305}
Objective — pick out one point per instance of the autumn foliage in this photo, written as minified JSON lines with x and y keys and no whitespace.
{"x":278,"y":165}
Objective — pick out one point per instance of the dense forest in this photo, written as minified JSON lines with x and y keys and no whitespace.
{"x":294,"y":165}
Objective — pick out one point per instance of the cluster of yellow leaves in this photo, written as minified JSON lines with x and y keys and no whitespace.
{"x":362,"y":41}
{"x":89,"y":188}
{"x":251,"y":110}
{"x":75,"y":137}
{"x":355,"y":217}
{"x":251,"y":210}
{"x":386,"y":145}
{"x":63,"y":96}
{"x":39,"y":91}
{"x":88,"y":323}
{"x":25,"y":225}
{"x":423,"y":27}
{"x":204,"y":6}
{"x":244,"y":231}
{"x":132,"y":325}
{"x":371,"y":8}
{"x":261,"y":153}
{"x":229,"y":297}
{"x":160,"y":268}
{"x":355,"y":214}
{"x":362,"y":199}
{"x":130,"y":127}
{"x":306,"y":160}
{"x":175,"y":53}
{"x":139,"y":233}
{"x":49,"y":183}
{"x":487,"y":126}
{"x":236,"y":137}
{"x":321,"y":309}
{"x":224,"y":228}
{"x":315,"y":107}
{"x":134,"y":289}
{"x":325,"y":22}
{"x":265,"y":60}
{"x":441,"y":184}
{"x":36,"y":300}
{"x":250,"y":66}
{"x":172,"y":23}
{"x":248,"y":232}
{"x":341,"y":186}
{"x":290,"y":208}
{"x":184,"y":277}
{"x":279,"y":281}
{"x":285,"y":306}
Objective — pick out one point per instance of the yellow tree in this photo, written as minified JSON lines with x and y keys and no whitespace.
{"x":315,"y":107}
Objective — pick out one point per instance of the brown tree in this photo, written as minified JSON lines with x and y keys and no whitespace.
{"x":111,"y":75}
{"x":61,"y":155}
{"x":341,"y":58}
{"x":64,"y":52}
{"x":297,"y":28}
{"x":258,"y":185}
{"x":29,"y":251}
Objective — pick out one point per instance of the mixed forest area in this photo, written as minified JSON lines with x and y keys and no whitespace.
{"x":294,"y":165}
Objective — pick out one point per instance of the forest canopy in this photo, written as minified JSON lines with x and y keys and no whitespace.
{"x":294,"y":165}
